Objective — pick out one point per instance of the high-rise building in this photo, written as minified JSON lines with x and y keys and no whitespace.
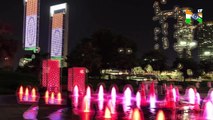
{"x":205,"y":41}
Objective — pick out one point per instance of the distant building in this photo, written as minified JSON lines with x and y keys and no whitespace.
{"x":205,"y":41}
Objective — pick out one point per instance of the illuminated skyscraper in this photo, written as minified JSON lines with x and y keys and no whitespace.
{"x":205,"y":41}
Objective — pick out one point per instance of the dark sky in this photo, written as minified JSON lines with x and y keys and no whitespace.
{"x":131,"y":18}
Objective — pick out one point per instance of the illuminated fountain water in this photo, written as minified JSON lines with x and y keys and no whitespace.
{"x":101,"y":97}
{"x":160,"y":115}
{"x":138,"y":99}
{"x":46,"y":97}
{"x":143,"y":95}
{"x":20,"y":93}
{"x":170,"y":98}
{"x":33,"y":94}
{"x":127,"y":99}
{"x":191,"y":96}
{"x":75,"y":91}
{"x":86,"y":104}
{"x":112,"y":102}
{"x":113,"y":95}
{"x":107,"y":113}
{"x":26,"y":95}
{"x":75,"y":96}
{"x":88,"y":92}
{"x":137,"y":115}
{"x":152,"y":96}
{"x":208,"y":106}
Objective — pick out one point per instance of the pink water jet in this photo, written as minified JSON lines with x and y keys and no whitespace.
{"x":152,"y":96}
{"x":143,"y":95}
{"x":208,"y":111}
{"x":127,"y":99}
{"x":112,"y":107}
{"x":101,"y":97}
{"x":101,"y":93}
{"x":160,"y":115}
{"x":191,"y":96}
{"x":208,"y":106}
{"x":86,"y":104}
{"x":170,"y":98}
{"x":113,"y":95}
{"x":138,"y":99}
{"x":75,"y":91}
{"x":88,"y":92}
{"x":100,"y":104}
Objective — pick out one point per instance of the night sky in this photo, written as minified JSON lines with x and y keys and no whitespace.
{"x":131,"y":18}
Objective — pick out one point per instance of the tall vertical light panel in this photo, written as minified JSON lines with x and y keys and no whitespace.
{"x":77,"y":76}
{"x":31,"y":24}
{"x":59,"y":36}
{"x":51,"y":75}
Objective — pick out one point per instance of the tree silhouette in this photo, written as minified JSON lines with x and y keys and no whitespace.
{"x":103,"y":50}
{"x":155,"y":58}
{"x":8,"y":47}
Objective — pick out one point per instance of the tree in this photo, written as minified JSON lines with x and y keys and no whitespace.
{"x":85,"y":55}
{"x":8,"y":47}
{"x":104,"y":50}
{"x":206,"y":66}
{"x":154,"y":58}
{"x":33,"y":63}
{"x":187,"y":64}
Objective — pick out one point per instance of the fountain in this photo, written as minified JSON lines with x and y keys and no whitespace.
{"x":160,"y":115}
{"x":46,"y":97}
{"x":55,"y":100}
{"x":138,"y":99}
{"x":101,"y":97}
{"x":75,"y":95}
{"x":136,"y":115}
{"x":28,"y":95}
{"x":88,"y":92}
{"x":86,"y":104}
{"x":152,"y":96}
{"x":107,"y":113}
{"x":113,"y":95}
{"x":20,"y":93}
{"x":118,"y":106}
{"x":170,"y":98}
{"x":208,"y":106}
{"x":191,"y":96}
{"x":33,"y":94}
{"x":127,"y":99}
{"x":75,"y":91}
{"x":143,"y":95}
